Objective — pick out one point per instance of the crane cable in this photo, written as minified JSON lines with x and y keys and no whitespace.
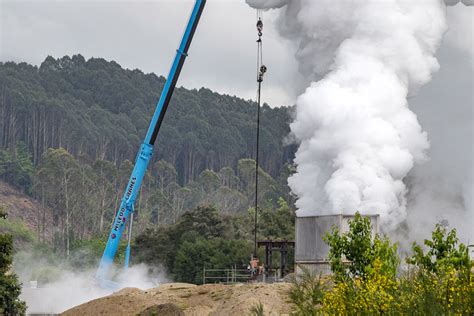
{"x":261,"y":69}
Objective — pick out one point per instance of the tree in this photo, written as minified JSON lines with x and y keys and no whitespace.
{"x":279,"y":223}
{"x":10,"y":288}
{"x":216,"y":253}
{"x":159,"y":246}
{"x":267,"y":186}
{"x":229,"y":201}
{"x":441,"y":283}
{"x":106,"y":174}
{"x":179,"y":196}
{"x":60,"y":176}
{"x":191,"y":258}
{"x":160,"y":208}
{"x":360,"y":250}
{"x":443,"y":251}
{"x":165,"y":174}
{"x":72,"y":126}
{"x":208,"y":183}
{"x":204,"y":221}
{"x":16,"y":167}
{"x":228,"y":178}
{"x":25,"y":169}
{"x":98,"y":109}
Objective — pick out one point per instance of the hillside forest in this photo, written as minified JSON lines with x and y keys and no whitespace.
{"x":69,"y":132}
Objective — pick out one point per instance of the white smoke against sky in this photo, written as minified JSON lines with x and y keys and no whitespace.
{"x":441,"y":190}
{"x":358,"y":137}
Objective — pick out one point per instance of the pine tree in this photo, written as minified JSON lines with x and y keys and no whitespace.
{"x":10,"y":288}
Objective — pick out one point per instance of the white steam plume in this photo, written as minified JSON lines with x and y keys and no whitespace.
{"x":358,"y":138}
{"x":441,"y":190}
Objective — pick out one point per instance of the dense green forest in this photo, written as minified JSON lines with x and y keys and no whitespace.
{"x":97,"y":110}
{"x":70,"y":129}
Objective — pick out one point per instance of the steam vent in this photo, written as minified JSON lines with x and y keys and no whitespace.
{"x":311,"y":251}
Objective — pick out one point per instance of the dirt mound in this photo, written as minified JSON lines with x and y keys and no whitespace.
{"x":166,"y":309}
{"x":129,"y":291}
{"x":188,"y":299}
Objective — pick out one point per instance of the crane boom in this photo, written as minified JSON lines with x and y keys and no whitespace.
{"x":145,"y":151}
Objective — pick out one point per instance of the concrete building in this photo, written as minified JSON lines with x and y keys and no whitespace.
{"x":311,"y":251}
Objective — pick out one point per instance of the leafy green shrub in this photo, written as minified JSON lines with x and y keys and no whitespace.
{"x":216,"y":253}
{"x":443,"y":251}
{"x":439,"y":282}
{"x":360,"y":250}
{"x":442,"y":281}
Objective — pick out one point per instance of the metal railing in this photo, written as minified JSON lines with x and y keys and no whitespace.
{"x":225,"y":276}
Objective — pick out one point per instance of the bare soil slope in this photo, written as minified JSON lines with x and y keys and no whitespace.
{"x":189,"y":299}
{"x":20,"y":206}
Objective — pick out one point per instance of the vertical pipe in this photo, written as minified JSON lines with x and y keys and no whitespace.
{"x":256,"y":172}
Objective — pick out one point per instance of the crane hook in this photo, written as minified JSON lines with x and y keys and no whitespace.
{"x":260,"y":27}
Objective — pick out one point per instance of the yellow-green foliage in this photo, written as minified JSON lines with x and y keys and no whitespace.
{"x":375,"y":294}
{"x":420,"y":293}
{"x":447,"y":292}
{"x":439,"y":282}
{"x":361,"y":250}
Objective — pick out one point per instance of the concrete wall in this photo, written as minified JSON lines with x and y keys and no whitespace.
{"x":311,"y":252}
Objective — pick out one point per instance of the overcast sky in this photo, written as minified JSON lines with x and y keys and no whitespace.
{"x":145,"y":35}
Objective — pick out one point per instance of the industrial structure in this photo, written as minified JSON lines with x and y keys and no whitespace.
{"x":281,"y":247}
{"x":124,"y":214}
{"x":311,"y":251}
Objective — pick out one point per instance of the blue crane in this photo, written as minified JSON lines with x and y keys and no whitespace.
{"x":145,"y":152}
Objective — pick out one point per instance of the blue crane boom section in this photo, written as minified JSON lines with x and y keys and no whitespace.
{"x":145,"y":151}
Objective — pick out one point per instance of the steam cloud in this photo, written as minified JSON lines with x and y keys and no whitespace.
{"x":64,"y":288}
{"x":358,"y":138}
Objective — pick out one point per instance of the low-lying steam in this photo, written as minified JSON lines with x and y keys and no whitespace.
{"x":53,"y":287}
